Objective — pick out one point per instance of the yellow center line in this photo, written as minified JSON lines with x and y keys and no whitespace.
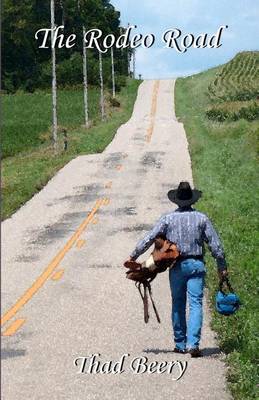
{"x":153,"y":111}
{"x":51,"y":267}
{"x":13,"y":327}
{"x":106,"y":201}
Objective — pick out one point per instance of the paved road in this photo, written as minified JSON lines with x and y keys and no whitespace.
{"x":64,"y":294}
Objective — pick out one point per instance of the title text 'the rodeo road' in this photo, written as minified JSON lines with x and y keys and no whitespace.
{"x":94,"y":38}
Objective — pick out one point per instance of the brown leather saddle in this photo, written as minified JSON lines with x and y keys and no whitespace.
{"x":164,"y":255}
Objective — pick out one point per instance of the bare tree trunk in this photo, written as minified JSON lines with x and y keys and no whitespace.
{"x":129,"y":56}
{"x":129,"y":59}
{"x":101,"y":86}
{"x":85,"y":81}
{"x":134,"y":63}
{"x":113,"y":74}
{"x":54,"y":79}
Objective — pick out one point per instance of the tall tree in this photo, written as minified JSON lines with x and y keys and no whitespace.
{"x":26,"y":66}
{"x":85,"y":75}
{"x":113,"y":74}
{"x":54,"y":78}
{"x":129,"y":57}
{"x":134,"y":62}
{"x":101,"y":86}
{"x":85,"y":81}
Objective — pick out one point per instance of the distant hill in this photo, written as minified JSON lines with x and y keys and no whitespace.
{"x":234,"y":92}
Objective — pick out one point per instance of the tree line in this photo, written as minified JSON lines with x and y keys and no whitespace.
{"x":26,"y":67}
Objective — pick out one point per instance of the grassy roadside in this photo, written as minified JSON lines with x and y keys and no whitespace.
{"x":28,"y":116}
{"x":225,"y":167}
{"x":27,"y":172}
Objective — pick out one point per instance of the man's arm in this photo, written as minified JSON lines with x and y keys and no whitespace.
{"x":145,"y":243}
{"x":215,"y":246}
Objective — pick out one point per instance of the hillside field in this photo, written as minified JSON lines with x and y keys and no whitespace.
{"x":225,"y":167}
{"x":234,"y":89}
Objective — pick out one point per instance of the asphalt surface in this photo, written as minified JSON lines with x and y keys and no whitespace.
{"x":64,"y":292}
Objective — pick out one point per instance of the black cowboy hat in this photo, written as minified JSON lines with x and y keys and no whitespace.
{"x":184,"y":195}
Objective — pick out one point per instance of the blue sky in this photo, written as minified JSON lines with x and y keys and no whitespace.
{"x":191,"y":16}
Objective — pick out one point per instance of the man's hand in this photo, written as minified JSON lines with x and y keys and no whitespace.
{"x":129,"y":260}
{"x":131,"y":263}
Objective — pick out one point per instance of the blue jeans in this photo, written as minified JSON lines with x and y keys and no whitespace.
{"x":187,"y":279}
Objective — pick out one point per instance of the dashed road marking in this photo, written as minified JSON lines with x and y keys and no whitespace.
{"x":106,"y":201}
{"x":39,"y":282}
{"x":13,"y":328}
{"x":80,"y":243}
{"x":153,"y":111}
{"x":57,"y":275}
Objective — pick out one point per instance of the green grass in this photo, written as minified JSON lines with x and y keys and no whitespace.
{"x":29,"y":170}
{"x":225,"y":168}
{"x":28,"y":117}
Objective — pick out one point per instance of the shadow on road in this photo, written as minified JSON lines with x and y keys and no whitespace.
{"x":157,"y":351}
{"x":11,"y":353}
{"x":211,"y":351}
{"x":206,"y":352}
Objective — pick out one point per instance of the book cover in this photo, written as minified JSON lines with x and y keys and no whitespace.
{"x":129,"y":150}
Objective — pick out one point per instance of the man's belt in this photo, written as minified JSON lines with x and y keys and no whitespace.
{"x":186,"y":257}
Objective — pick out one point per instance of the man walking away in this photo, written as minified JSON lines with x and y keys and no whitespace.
{"x":189,"y":230}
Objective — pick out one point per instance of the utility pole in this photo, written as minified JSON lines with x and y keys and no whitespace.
{"x":113,"y":74}
{"x":101,"y":86}
{"x":54,"y":78}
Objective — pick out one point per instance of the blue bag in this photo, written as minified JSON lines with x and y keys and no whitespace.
{"x":227,"y":304}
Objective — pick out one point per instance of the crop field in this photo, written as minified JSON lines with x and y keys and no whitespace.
{"x":234,"y":92}
{"x":237,"y":80}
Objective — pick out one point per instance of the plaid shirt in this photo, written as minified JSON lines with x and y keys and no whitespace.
{"x":189,"y":230}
